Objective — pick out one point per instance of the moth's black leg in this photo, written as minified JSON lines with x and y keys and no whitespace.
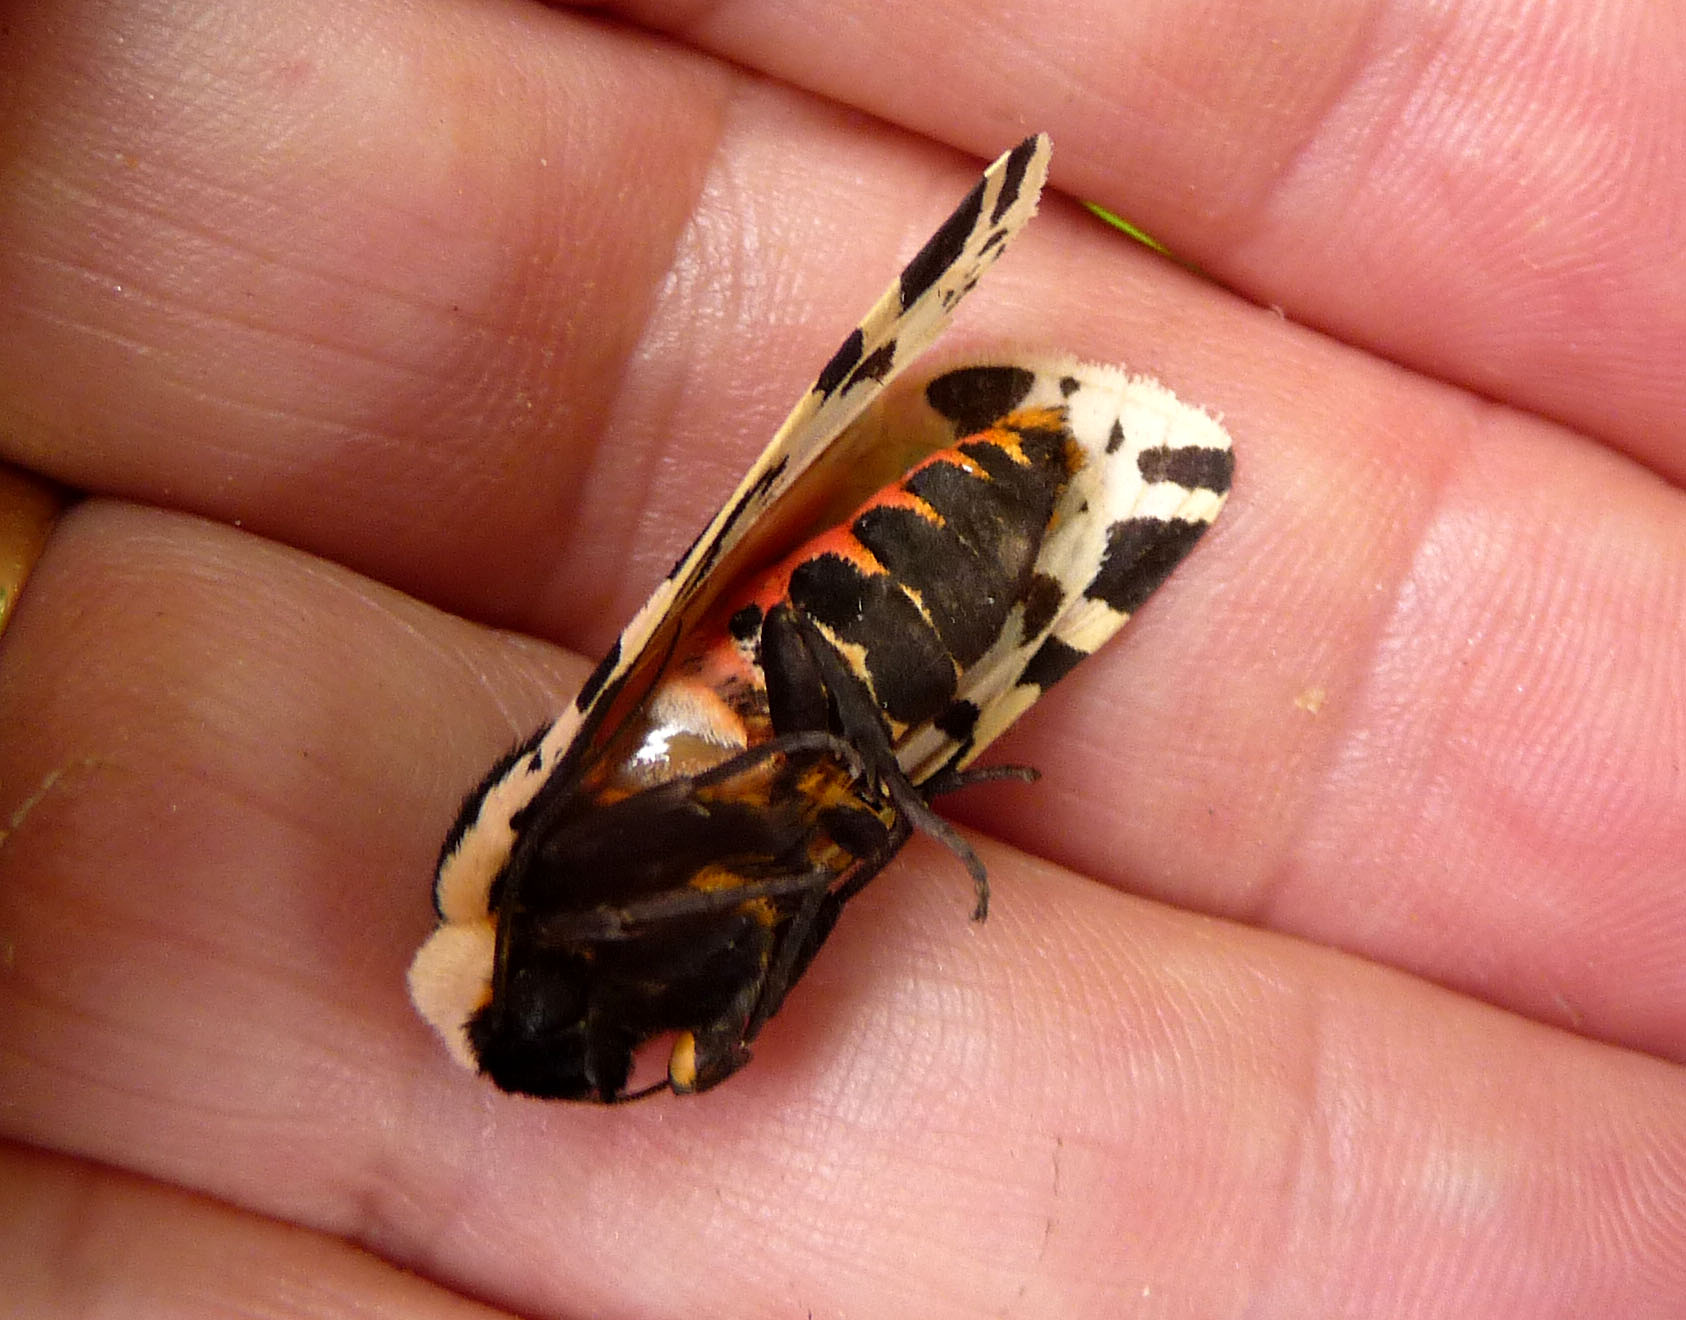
{"x":798,"y":943}
{"x":810,"y":927}
{"x":720,"y":1041}
{"x":950,"y":780}
{"x":804,"y":656}
{"x":798,"y":696}
{"x":817,"y":741}
{"x":632,"y":920}
{"x":608,"y":1054}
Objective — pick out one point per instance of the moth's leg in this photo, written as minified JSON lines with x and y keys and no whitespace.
{"x":801,"y":662}
{"x":632,"y":920}
{"x":950,"y":780}
{"x":811,"y":925}
{"x":805,"y":931}
{"x":608,"y":1049}
{"x":799,"y":699}
{"x":783,"y":744}
{"x":712,"y":1049}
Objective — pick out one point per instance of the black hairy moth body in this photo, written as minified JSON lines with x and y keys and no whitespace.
{"x":894,"y":581}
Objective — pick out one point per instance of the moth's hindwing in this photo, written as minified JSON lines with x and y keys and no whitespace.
{"x":668,"y":856}
{"x":1153,"y":474}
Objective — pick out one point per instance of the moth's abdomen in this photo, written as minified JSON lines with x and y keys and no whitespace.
{"x":919,"y":585}
{"x":910,"y":591}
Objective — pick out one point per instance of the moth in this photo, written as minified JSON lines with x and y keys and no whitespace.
{"x":896,"y":579}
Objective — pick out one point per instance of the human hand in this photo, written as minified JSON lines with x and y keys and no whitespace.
{"x":368,"y":317}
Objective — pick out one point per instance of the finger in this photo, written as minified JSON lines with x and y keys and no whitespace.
{"x":316,"y":269}
{"x":81,"y":1240}
{"x":211,"y":906}
{"x":1487,"y":193}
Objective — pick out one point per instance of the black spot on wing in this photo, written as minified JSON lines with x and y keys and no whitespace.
{"x":976,"y":397}
{"x":842,"y":363}
{"x":1068,"y":386}
{"x":959,"y":721}
{"x":1140,"y":554}
{"x":599,"y":676}
{"x":745,"y":623}
{"x":912,"y":675}
{"x":748,"y":500}
{"x":1192,"y":466}
{"x":942,"y":249}
{"x":875,"y":366}
{"x":1042,"y":601}
{"x":1114,"y":437}
{"x":1012,"y":178}
{"x":684,"y":555}
{"x":1053,"y":660}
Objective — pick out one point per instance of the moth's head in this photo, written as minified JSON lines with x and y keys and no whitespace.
{"x":537,"y":1036}
{"x":574,"y":933}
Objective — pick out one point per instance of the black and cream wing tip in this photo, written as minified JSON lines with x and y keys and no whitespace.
{"x":1156,"y":472}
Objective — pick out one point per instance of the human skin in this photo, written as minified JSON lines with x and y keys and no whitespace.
{"x":1334,"y":964}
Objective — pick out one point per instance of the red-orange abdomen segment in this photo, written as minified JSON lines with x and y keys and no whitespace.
{"x":918,"y":584}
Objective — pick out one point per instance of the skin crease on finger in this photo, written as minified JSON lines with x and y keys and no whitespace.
{"x":1108,"y":1078}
